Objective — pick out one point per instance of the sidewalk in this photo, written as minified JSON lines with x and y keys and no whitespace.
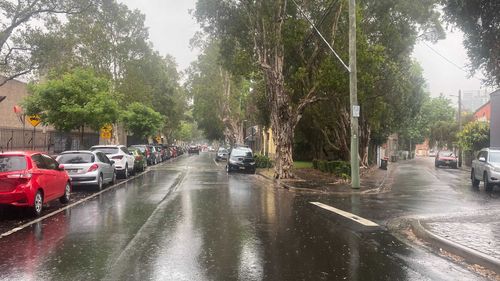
{"x":474,"y":238}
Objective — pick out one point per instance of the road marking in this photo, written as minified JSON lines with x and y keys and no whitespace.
{"x":216,"y":163}
{"x":348,"y":215}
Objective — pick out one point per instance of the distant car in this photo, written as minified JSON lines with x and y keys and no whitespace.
{"x":164,"y":155}
{"x":31,"y":179}
{"x":173,"y":151}
{"x":156,"y":153}
{"x":446,"y":158}
{"x":241,"y":159}
{"x":124,"y":160}
{"x":221,"y":154}
{"x":146,"y":149}
{"x":194,"y":149}
{"x":140,"y":163}
{"x":486,"y":168}
{"x":432,"y":153}
{"x":88,"y":168}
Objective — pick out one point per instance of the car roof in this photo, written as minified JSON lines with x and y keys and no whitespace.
{"x":78,"y":151}
{"x":108,"y":145}
{"x":25,"y":153}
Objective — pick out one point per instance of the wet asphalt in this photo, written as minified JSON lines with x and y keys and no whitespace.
{"x":189,"y":220}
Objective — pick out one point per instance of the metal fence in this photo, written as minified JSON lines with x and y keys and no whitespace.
{"x":50,"y":142}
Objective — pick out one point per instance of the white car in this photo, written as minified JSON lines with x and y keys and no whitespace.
{"x":486,"y":168}
{"x":124,"y":160}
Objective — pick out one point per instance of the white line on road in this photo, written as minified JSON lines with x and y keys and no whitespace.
{"x":216,"y":163}
{"x":348,"y":215}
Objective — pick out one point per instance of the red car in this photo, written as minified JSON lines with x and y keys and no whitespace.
{"x":30,"y":179}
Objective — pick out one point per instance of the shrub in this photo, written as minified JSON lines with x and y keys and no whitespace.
{"x":315,"y":163}
{"x":338,"y":168}
{"x":262,"y":161}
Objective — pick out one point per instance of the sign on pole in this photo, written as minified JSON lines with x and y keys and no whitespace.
{"x":106,"y":131}
{"x":355,"y":111}
{"x":105,"y":135}
{"x":34,"y":120}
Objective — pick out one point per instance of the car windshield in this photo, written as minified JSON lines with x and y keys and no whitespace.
{"x":241,"y":153}
{"x":107,"y":150}
{"x":76,"y":158}
{"x":12,"y":163}
{"x":495,"y":157}
{"x":222,"y":150}
{"x":446,"y":154}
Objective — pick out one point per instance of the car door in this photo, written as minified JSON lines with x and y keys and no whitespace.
{"x":59,"y":180}
{"x":481,"y":165}
{"x":107,"y":168}
{"x":130,"y":158}
{"x":44,"y":176}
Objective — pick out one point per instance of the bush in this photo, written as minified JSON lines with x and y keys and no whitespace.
{"x":338,"y":168}
{"x":262,"y":161}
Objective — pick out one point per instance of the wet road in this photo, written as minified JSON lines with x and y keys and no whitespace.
{"x":189,"y":220}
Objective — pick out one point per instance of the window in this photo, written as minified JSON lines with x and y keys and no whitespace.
{"x":50,"y":162}
{"x":106,"y":150}
{"x":38,"y":160}
{"x":12,"y":163}
{"x":125,"y":150}
{"x":75,"y":158}
{"x":103,"y":158}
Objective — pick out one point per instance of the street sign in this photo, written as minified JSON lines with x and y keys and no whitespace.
{"x":355,"y":111}
{"x":158,"y":139}
{"x":105,"y":135}
{"x":107,"y":128}
{"x":34,"y":120}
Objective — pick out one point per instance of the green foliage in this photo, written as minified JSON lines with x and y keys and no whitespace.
{"x":302,"y":164}
{"x":262,"y":161}
{"x":77,"y":99}
{"x":474,"y":136}
{"x":338,"y":168}
{"x":479,"y":21}
{"x":141,"y":120}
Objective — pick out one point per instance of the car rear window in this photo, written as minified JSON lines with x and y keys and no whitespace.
{"x":241,"y":153}
{"x":446,"y":154}
{"x":76,"y":158}
{"x":12,"y":163}
{"x":107,"y":150}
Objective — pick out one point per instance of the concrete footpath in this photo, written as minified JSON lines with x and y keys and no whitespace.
{"x":475,"y":238}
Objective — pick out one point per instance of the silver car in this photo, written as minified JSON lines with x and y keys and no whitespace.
{"x":486,"y":168}
{"x":124,"y":160}
{"x":88,"y":167}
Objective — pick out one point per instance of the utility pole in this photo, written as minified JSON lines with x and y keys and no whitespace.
{"x":353,"y":90}
{"x":459,"y":126}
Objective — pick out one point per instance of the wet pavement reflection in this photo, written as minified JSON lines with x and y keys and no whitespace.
{"x":189,"y":220}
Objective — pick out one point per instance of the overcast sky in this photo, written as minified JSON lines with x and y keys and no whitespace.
{"x":171,"y":27}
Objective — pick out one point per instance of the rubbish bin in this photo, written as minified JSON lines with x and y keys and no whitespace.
{"x":383,"y":163}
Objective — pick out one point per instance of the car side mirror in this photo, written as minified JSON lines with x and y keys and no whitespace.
{"x":482,"y":159}
{"x":112,"y":162}
{"x":60,"y":167}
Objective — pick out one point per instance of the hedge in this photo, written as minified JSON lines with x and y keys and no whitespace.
{"x":338,"y":168}
{"x":262,"y":161}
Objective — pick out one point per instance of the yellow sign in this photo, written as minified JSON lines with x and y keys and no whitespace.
{"x":107,"y":128}
{"x":105,"y":135}
{"x":158,"y":139}
{"x":34,"y":120}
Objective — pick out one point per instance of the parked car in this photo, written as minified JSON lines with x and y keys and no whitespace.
{"x":156,"y":153}
{"x":173,"y":151}
{"x":486,"y":168}
{"x":140,"y":163}
{"x":240,"y":159}
{"x":432,"y":153}
{"x":146,"y":149}
{"x":31,"y":179}
{"x":194,"y":149}
{"x":88,"y":167}
{"x":124,"y":160}
{"x":163,"y":152}
{"x":446,"y":158}
{"x":221,"y":154}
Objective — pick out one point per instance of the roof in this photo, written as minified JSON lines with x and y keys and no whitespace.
{"x":77,"y":151}
{"x":24,"y":152}
{"x":482,"y":106}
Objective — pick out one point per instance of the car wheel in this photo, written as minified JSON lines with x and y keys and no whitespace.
{"x":487,"y":185}
{"x":67,"y":192}
{"x":436,"y":164}
{"x":475,"y":182}
{"x":113,"y":181}
{"x":125,"y":172}
{"x":38,"y":204}
{"x":99,"y":182}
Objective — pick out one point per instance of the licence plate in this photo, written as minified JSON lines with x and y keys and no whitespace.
{"x":72,"y":171}
{"x":242,"y":168}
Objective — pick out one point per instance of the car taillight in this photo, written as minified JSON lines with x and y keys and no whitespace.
{"x":118,"y":157}
{"x":93,"y":168}
{"x":22,"y":176}
{"x":138,"y":157}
